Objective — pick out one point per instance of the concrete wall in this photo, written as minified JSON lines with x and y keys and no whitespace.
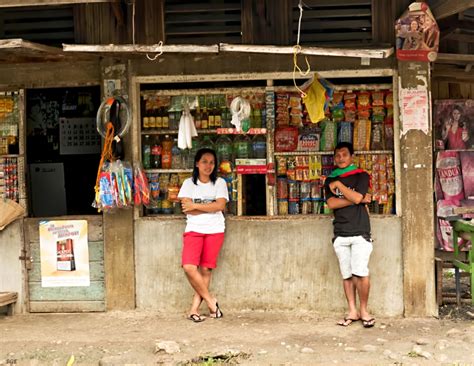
{"x":11,"y":268}
{"x":267,"y":263}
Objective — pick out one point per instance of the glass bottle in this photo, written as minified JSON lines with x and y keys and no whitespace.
{"x":165,"y":118}
{"x":146,"y":112}
{"x":146,"y":152}
{"x":242,"y":147}
{"x":197,"y":118}
{"x":204,"y":119}
{"x":159,"y":117}
{"x":211,"y":118}
{"x":152,"y":117}
{"x":156,"y":150}
{"x":217,"y":117}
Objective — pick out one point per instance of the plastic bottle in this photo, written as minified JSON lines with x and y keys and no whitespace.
{"x":224,"y":148}
{"x":259,"y":147}
{"x":156,"y":150}
{"x":176,"y":157}
{"x":242,"y":147}
{"x":146,"y":149}
{"x":166,"y":154}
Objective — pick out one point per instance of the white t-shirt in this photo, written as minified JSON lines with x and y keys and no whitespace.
{"x":206,"y":223}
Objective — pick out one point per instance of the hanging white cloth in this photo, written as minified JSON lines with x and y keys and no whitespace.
{"x":187,"y":129}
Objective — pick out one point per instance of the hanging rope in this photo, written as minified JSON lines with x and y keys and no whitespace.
{"x":296,"y":51}
{"x":160,"y":45}
{"x":105,"y":155}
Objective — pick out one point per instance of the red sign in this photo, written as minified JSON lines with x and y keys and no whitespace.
{"x":251,"y":169}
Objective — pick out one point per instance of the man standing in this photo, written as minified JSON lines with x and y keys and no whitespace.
{"x":347,"y":194}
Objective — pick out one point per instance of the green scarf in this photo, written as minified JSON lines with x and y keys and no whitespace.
{"x":338,"y":171}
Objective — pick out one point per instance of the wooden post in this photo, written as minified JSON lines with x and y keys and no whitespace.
{"x":417,"y":189}
{"x":119,"y":253}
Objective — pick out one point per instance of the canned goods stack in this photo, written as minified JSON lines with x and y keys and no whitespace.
{"x":9,"y":178}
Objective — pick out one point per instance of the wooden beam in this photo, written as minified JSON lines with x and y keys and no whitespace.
{"x":455,"y":57}
{"x":18,"y":3}
{"x":130,"y":48}
{"x":446,"y":8}
{"x":20,"y":43}
{"x":314,"y":51}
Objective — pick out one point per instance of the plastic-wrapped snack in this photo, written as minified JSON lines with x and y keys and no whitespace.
{"x":377,"y":137}
{"x":363,"y":100}
{"x":299,"y":174}
{"x":173,"y":193}
{"x":377,"y":98}
{"x":314,"y":166}
{"x":296,"y":119}
{"x":338,"y":114}
{"x":363,"y":113}
{"x":301,"y":161}
{"x":378,"y":114}
{"x":315,"y":189}
{"x":350,"y":115}
{"x":295,"y":102}
{"x":106,"y":198}
{"x":291,"y":174}
{"x":282,"y":188}
{"x":389,"y":99}
{"x":174,"y":180}
{"x":362,"y":128}
{"x":350,"y":101}
{"x":388,"y":133}
{"x":282,"y":207}
{"x":281,"y":165}
{"x":140,"y":186}
{"x":329,"y":135}
{"x":344,"y":133}
{"x":164,"y":180}
{"x":337,"y":100}
{"x":291,"y":162}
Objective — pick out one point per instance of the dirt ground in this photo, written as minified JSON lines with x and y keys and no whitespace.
{"x":246,"y":337}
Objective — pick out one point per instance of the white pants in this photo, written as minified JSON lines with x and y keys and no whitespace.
{"x":353,"y":253}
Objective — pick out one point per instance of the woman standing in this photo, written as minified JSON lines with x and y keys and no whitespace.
{"x":455,"y":132}
{"x":203,"y":199}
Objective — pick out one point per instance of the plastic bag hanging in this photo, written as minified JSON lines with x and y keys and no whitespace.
{"x":187,"y":129}
{"x":316,"y":97}
{"x":240,"y":109}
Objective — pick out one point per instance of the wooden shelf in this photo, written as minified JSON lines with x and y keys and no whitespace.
{"x":10,"y":156}
{"x":293,"y":153}
{"x":157,"y":131}
{"x":455,"y":150}
{"x":168,"y":170}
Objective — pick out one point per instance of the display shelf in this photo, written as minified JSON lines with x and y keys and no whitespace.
{"x":168,"y":170}
{"x":10,"y":156}
{"x":156,"y":131}
{"x":233,"y":131}
{"x":456,"y":150}
{"x":366,"y":152}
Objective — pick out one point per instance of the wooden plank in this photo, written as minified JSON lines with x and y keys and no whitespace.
{"x":96,"y":270}
{"x":465,"y":90}
{"x":434,"y":89}
{"x":329,"y":37}
{"x":444,"y":9}
{"x":469,"y":38}
{"x":333,"y":3}
{"x":317,"y":51}
{"x":454,"y":90}
{"x":66,"y":306}
{"x":334,"y":24}
{"x":173,"y":30}
{"x":94,"y":292}
{"x":443,"y":90}
{"x":333,"y":13}
{"x":15,"y":43}
{"x":129,"y":48}
{"x":205,"y":8}
{"x":204,"y":18}
{"x":94,"y":226}
{"x":96,"y":251}
{"x":51,"y":24}
{"x":7,"y":298}
{"x":17,"y":3}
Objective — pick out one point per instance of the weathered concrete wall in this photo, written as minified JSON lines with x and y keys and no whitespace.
{"x":267,"y":264}
{"x":11,"y":268}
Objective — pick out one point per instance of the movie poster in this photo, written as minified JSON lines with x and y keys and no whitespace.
{"x":417,"y":34}
{"x":64,"y":253}
{"x":453,"y":124}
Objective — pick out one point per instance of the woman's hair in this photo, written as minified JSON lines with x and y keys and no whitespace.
{"x":198,"y":157}
{"x":461,"y":111}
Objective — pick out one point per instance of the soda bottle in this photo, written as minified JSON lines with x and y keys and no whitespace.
{"x":146,"y":149}
{"x":156,"y":154}
{"x":166,"y":156}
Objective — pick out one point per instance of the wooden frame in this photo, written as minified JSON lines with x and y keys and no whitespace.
{"x":18,"y":3}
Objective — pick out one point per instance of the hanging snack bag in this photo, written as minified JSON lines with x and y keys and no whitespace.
{"x":389,"y":99}
{"x":377,"y":136}
{"x":388,"y":133}
{"x":106,"y":199}
{"x":281,"y":165}
{"x":141,"y":188}
{"x":362,"y":128}
{"x":344,"y":133}
{"x":286,"y":139}
{"x":350,"y":101}
{"x":329,"y":135}
{"x":314,"y":167}
{"x":363,"y":100}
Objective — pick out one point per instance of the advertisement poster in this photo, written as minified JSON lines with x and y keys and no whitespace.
{"x":64,"y":253}
{"x":417,"y":34}
{"x":414,"y":110}
{"x":453,"y":122}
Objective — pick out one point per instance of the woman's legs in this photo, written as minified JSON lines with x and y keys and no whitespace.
{"x":206,"y":274}
{"x":200,"y":284}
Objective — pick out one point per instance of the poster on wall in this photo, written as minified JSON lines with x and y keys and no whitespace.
{"x":64,"y":253}
{"x":414,"y":110}
{"x":453,"y":124}
{"x":417,"y":34}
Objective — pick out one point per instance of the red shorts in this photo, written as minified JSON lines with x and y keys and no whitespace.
{"x":201,"y":249}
